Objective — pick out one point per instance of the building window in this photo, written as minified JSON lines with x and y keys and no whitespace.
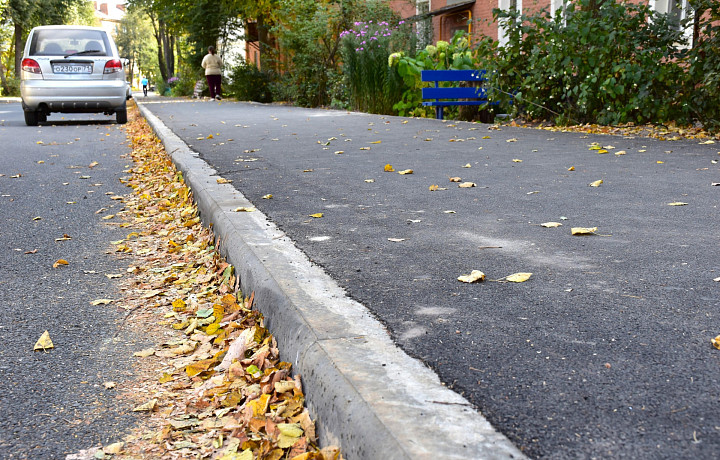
{"x":678,"y":12}
{"x":507,"y":5}
{"x":423,"y":27}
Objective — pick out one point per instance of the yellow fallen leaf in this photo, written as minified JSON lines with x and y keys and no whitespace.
{"x":455,"y":179}
{"x":707,"y":142}
{"x":317,"y":215}
{"x":716,"y":342}
{"x":583,"y":230}
{"x":474,"y":277}
{"x":467,"y":166}
{"x":144,"y":353}
{"x":369,"y":181}
{"x":179,"y":305}
{"x":339,"y":152}
{"x":406,"y":171}
{"x":364,"y":148}
{"x":200,"y":366}
{"x":510,"y":140}
{"x":571,"y":168}
{"x":449,"y":211}
{"x":389,"y":168}
{"x":551,"y":224}
{"x":60,"y":262}
{"x":660,"y":162}
{"x":677,"y":203}
{"x":376,"y":142}
{"x":434,"y":187}
{"x":518,"y":277}
{"x":101,"y":302}
{"x":267,"y":197}
{"x":209,"y":136}
{"x":147,"y":407}
{"x":517,"y":160}
{"x":114,"y":448}
{"x":596,"y":183}
{"x":621,"y":152}
{"x":486,"y":137}
{"x":44,"y":342}
{"x":467,"y":185}
{"x":244,"y":209}
{"x":602,"y":151}
{"x":222,"y":180}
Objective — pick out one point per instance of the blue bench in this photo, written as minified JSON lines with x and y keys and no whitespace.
{"x":477,"y":94}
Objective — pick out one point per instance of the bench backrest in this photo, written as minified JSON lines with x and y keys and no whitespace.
{"x":453,"y":75}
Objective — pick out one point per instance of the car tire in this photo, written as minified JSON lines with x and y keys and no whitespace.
{"x":121,"y":116}
{"x":42,"y":117}
{"x":31,"y":118}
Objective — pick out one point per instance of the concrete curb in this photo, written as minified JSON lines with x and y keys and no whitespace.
{"x":367,"y":395}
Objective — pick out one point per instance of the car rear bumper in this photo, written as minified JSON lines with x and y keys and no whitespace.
{"x":69,"y":96}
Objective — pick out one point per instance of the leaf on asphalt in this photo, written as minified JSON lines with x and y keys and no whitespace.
{"x":93,"y":164}
{"x":596,"y":183}
{"x":455,"y":179}
{"x":511,"y":140}
{"x":317,"y":215}
{"x":65,"y":237}
{"x":677,"y":203}
{"x":267,"y":197}
{"x":475,"y":276}
{"x":405,"y":171}
{"x":114,"y":448}
{"x":467,"y":185}
{"x":364,"y":148}
{"x":621,"y":152}
{"x":339,"y":152}
{"x":44,"y":342}
{"x":520,"y":277}
{"x":716,"y":342}
{"x":147,"y":407}
{"x":144,"y":353}
{"x":717,"y":279}
{"x":60,"y":262}
{"x":583,"y":230}
{"x":396,"y":240}
{"x":109,"y":385}
{"x":571,"y":168}
{"x":467,"y":166}
{"x":551,"y":224}
{"x":449,"y":211}
{"x":113,"y":275}
{"x":707,"y":142}
{"x":376,"y":142}
{"x":389,"y":168}
{"x":101,"y":302}
{"x":517,"y":160}
{"x":369,"y":181}
{"x":432,"y":188}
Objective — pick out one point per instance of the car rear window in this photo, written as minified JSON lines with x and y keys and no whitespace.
{"x":63,"y":42}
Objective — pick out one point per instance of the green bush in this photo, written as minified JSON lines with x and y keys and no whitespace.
{"x":619,"y":63}
{"x":703,"y":63}
{"x":248,"y":83}
{"x":14,"y":87}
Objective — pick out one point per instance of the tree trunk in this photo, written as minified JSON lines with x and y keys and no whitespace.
{"x":161,"y":53}
{"x":19,"y":30}
{"x":5,"y":87}
{"x":263,"y":42}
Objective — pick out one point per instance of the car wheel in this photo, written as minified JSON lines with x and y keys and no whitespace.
{"x":42,"y":117}
{"x":31,"y":118}
{"x":121,"y":116}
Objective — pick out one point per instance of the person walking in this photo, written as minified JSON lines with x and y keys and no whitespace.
{"x":213,"y":65}
{"x":144,"y":82}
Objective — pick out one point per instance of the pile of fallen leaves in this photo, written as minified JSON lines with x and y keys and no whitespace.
{"x":667,"y":132}
{"x":219,"y":388}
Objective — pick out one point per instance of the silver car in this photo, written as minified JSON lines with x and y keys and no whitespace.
{"x":72,"y":69}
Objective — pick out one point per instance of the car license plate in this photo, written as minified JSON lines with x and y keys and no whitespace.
{"x":72,"y":68}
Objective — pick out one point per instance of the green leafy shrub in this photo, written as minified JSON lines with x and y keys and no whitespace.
{"x":703,"y":63}
{"x":248,"y":83}
{"x":617,"y":64}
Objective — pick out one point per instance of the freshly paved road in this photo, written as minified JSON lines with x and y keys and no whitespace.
{"x":604,"y":353}
{"x":55,"y":403}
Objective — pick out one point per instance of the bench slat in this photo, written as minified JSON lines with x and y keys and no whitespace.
{"x":453,"y":75}
{"x":454,"y":93}
{"x":453,"y":103}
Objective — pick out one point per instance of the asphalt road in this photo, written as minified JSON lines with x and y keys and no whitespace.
{"x":55,"y":403}
{"x":604,"y":353}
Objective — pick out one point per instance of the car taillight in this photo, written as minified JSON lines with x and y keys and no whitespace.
{"x":113,"y":66}
{"x":31,"y":65}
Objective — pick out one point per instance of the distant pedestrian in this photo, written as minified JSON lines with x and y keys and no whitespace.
{"x":213,"y":65}
{"x":145,"y":86}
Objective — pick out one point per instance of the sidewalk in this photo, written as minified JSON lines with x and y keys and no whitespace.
{"x":567,"y":364}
